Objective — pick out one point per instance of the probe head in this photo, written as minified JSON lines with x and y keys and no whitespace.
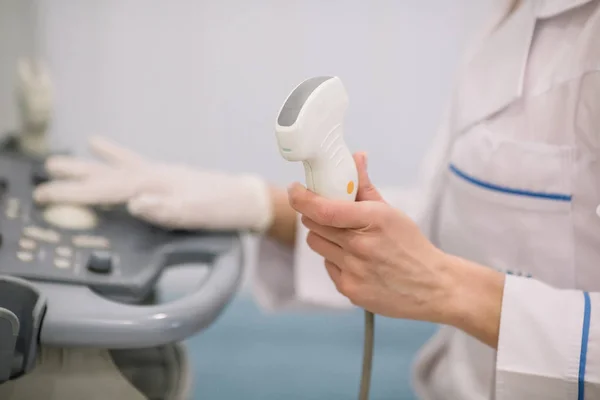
{"x":313,"y":110}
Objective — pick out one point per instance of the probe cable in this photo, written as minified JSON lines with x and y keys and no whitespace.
{"x":365,"y":380}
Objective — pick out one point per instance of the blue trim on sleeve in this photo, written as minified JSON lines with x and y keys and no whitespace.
{"x":502,"y":189}
{"x":585,"y":333}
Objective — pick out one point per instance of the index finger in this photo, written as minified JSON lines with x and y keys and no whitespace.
{"x":327,"y":212}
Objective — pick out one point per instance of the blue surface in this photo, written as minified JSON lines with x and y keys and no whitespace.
{"x":250,"y":355}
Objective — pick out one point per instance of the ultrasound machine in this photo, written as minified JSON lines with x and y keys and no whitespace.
{"x":73,"y":277}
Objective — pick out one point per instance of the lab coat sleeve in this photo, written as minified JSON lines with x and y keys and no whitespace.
{"x":296,"y":279}
{"x":549,"y":343}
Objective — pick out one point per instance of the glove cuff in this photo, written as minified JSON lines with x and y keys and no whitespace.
{"x":260,"y":199}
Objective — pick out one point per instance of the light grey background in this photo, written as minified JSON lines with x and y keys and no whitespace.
{"x":201,"y":82}
{"x":18,"y":34}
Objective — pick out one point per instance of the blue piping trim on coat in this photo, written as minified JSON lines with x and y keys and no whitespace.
{"x":502,"y":189}
{"x":585,"y":334}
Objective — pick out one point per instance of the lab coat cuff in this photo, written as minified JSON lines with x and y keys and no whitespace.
{"x":272,"y":278}
{"x":313,"y":284}
{"x":542,"y":339}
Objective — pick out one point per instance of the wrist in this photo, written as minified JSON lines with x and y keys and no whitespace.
{"x":474,"y":299}
{"x":284,"y":222}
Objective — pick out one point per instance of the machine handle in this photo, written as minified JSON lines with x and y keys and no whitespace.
{"x":21,"y":314}
{"x":95,"y":321}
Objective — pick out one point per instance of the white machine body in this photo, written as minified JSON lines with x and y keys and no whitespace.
{"x":310,"y":129}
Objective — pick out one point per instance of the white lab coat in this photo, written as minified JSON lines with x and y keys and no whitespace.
{"x":512,"y":182}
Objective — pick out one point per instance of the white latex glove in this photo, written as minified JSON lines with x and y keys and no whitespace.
{"x":172,"y":196}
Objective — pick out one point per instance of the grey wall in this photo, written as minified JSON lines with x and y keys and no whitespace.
{"x":18,"y":29}
{"x":201,"y":81}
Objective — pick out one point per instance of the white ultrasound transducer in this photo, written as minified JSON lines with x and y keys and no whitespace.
{"x":310,"y":129}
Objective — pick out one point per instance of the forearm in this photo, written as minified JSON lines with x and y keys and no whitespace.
{"x":283,"y":225}
{"x":475,"y":299}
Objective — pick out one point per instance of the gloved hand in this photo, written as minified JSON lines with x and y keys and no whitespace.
{"x":171,"y":196}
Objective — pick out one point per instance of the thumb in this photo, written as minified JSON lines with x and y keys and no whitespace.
{"x":366,"y":190}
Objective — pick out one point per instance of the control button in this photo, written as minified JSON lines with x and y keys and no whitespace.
{"x":91,"y":242}
{"x":350,"y":187}
{"x":100,"y":262}
{"x":61,"y":263}
{"x":39,"y":174}
{"x":24,"y":256}
{"x":27,"y":244}
{"x":44,"y":235}
{"x":64,"y":252}
{"x":71,"y":217}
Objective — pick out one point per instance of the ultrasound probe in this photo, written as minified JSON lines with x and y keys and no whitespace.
{"x":309,"y":128}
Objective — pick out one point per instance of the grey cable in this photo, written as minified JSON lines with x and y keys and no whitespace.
{"x":367,"y":367}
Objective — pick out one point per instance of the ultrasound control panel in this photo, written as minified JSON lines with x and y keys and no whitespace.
{"x":77,"y":276}
{"x":105,"y":249}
